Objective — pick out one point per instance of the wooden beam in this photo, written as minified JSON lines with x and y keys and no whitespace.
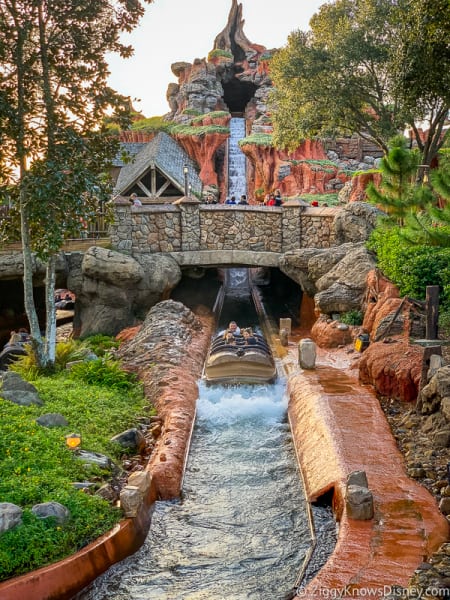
{"x":144,"y":189}
{"x":432,"y":303}
{"x":162,"y":188}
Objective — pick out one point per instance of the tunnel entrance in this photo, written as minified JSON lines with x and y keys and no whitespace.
{"x":199,"y":287}
{"x":237,"y":94}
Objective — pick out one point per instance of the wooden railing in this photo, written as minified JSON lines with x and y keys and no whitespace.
{"x":96,"y":230}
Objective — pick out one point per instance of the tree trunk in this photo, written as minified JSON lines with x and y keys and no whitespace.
{"x":50,"y":328}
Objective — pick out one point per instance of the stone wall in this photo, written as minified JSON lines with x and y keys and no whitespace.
{"x":200,"y":227}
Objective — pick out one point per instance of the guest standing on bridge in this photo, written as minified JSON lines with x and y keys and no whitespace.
{"x":135,"y":200}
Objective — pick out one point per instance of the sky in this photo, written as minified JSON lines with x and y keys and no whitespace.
{"x":182,"y":30}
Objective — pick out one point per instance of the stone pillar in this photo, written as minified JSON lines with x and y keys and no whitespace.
{"x":307,"y":354}
{"x":121,"y":230}
{"x":291,"y":225}
{"x":190,"y":222}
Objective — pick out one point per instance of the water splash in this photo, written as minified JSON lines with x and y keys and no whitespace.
{"x":226,"y":405}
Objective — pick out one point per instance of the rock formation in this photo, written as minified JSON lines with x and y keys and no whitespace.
{"x":114,"y":290}
{"x":234,"y":79}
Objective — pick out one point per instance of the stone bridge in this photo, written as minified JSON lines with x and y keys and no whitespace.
{"x":197,"y":234}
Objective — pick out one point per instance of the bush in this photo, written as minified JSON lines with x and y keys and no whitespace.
{"x":411,"y":267}
{"x":104,"y":372}
{"x":352,"y":317}
{"x":65,"y":352}
{"x":101,"y":344}
{"x":150,"y":125}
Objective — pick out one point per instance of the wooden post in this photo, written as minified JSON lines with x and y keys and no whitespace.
{"x":432,"y":307}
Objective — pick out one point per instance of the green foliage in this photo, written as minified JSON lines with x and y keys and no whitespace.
{"x":215,"y":114}
{"x":444,"y":322}
{"x":151,"y":124}
{"x":40,"y":542}
{"x":218,"y":53}
{"x":399,"y":193}
{"x":317,"y":165}
{"x":56,"y":149}
{"x":199,"y":131}
{"x":192,"y":112}
{"x":370,"y":67}
{"x":105,"y":372}
{"x":67,"y":351}
{"x":411,"y":268}
{"x":101,"y":344}
{"x":331,"y":199}
{"x":352,"y":317}
{"x":36,"y":466}
{"x":267,"y":55}
{"x":258,"y":139}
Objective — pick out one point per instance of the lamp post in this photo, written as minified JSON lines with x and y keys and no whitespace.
{"x":424,"y":173}
{"x":186,"y":187}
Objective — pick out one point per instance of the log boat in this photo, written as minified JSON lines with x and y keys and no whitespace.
{"x":239,"y":363}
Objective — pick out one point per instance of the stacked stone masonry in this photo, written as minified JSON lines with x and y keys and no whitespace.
{"x":191,"y":227}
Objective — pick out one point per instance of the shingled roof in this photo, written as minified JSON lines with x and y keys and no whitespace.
{"x":166,"y":156}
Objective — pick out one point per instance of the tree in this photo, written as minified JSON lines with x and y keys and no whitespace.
{"x":54,"y":149}
{"x":342,"y":77}
{"x":399,"y":193}
{"x":420,"y":70}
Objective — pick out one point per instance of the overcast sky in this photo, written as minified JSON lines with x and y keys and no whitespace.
{"x":182,"y":30}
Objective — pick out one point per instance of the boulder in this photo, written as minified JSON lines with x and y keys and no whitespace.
{"x":131,"y":498}
{"x":328,"y":333}
{"x":355,"y":222}
{"x":115,"y":290}
{"x":52,"y":420}
{"x":131,"y":440}
{"x":22,"y":398}
{"x":13,"y":382}
{"x":435,"y":393}
{"x":10,"y":516}
{"x":51,"y":509}
{"x":394,"y":369}
{"x":97,"y":459}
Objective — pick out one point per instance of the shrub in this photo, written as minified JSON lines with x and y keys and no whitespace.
{"x":202,"y":130}
{"x":352,"y":317}
{"x":411,"y":267}
{"x":104,"y":372}
{"x":65,"y":352}
{"x":101,"y":344}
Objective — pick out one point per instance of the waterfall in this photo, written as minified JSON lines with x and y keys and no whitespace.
{"x":237,"y":183}
{"x":237,"y":282}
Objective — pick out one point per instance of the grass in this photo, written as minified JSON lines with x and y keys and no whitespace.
{"x":36,"y":466}
{"x":329,"y":199}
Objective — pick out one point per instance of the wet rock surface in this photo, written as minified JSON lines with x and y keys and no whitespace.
{"x":167,"y":354}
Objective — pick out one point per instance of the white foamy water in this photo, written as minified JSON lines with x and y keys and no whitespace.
{"x":240,"y":531}
{"x":234,"y":404}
